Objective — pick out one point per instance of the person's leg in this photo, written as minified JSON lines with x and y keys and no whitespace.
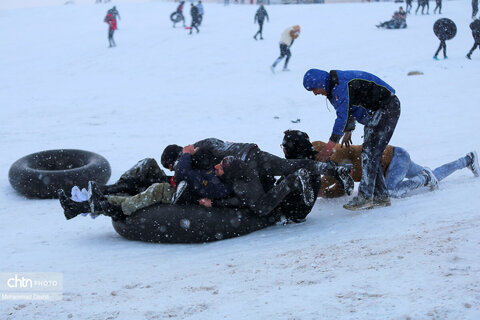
{"x":260,"y":23}
{"x":156,"y":193}
{"x":475,"y":45}
{"x":288,"y":54}
{"x":438,"y":50}
{"x":444,"y":43}
{"x":283,"y":48}
{"x":377,"y":134}
{"x":447,"y":169}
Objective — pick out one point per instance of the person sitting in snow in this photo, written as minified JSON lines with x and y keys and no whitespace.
{"x":402,"y":175}
{"x":398,"y":21}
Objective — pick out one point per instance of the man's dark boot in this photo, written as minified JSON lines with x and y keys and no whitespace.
{"x":100,"y":205}
{"x":71,"y":208}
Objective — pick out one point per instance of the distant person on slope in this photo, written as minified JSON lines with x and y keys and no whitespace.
{"x":195,"y":18}
{"x":286,"y":41}
{"x":115,"y":14}
{"x":402,"y":175}
{"x":260,"y":16}
{"x":398,"y":21}
{"x":200,"y":12}
{"x":112,"y":26}
{"x":178,"y":14}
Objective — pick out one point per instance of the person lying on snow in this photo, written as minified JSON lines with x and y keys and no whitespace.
{"x":402,"y":175}
{"x":143,"y":185}
{"x":398,"y":21}
{"x":267,"y":166}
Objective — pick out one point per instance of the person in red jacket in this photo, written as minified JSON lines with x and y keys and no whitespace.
{"x":112,"y":26}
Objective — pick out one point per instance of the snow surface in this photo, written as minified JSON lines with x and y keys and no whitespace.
{"x":62,"y":87}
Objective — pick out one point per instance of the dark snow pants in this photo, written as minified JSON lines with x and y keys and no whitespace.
{"x":284,"y":51}
{"x":377,"y":134}
{"x":110,"y":37}
{"x":475,"y":46}
{"x":443,"y":45}
{"x":439,"y":7}
{"x":260,"y":30}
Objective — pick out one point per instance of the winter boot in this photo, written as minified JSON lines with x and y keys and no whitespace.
{"x":359,"y":203}
{"x":469,"y":56}
{"x":474,"y":166}
{"x":96,"y":196}
{"x":379,"y":201}
{"x":71,"y":208}
{"x":181,"y":195}
{"x":302,"y":184}
{"x":430,"y":179}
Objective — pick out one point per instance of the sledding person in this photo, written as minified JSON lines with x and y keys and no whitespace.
{"x":260,"y":16}
{"x":146,"y":184}
{"x":286,"y":41}
{"x":475,"y":26}
{"x":266,"y":165}
{"x":398,"y":21}
{"x":363,"y":97}
{"x":179,"y":13}
{"x":401,"y":173}
{"x":248,"y":190}
{"x":195,"y":18}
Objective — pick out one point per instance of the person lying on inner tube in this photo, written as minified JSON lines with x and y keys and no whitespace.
{"x":249,"y":192}
{"x":146,"y":184}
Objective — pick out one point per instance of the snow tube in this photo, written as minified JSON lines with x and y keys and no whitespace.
{"x":444,"y":29}
{"x":41,"y":174}
{"x":176,"y":17}
{"x":189,"y":224}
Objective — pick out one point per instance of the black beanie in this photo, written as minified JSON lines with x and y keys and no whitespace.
{"x":170,"y":155}
{"x":297,"y":145}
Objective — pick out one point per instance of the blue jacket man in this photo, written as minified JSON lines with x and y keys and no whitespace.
{"x":359,"y":96}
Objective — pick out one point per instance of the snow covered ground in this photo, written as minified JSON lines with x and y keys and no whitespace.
{"x":62,"y":87}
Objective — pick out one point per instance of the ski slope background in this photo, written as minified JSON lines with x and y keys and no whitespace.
{"x":62,"y":87}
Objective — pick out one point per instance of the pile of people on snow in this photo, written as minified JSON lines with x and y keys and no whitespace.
{"x":398,"y":21}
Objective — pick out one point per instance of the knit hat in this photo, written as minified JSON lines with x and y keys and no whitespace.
{"x":170,"y":155}
{"x":297,"y":145}
{"x":315,"y":78}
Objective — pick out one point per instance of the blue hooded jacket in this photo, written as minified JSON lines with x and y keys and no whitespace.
{"x":355,"y":95}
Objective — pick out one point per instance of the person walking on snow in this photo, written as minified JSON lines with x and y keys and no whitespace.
{"x":200,"y":12}
{"x":363,"y":97}
{"x":260,"y":16}
{"x":112,"y":26}
{"x":179,"y":12}
{"x":195,"y":18}
{"x":286,"y":41}
{"x":475,"y":26}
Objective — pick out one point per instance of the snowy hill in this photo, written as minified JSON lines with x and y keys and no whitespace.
{"x":62,"y":87}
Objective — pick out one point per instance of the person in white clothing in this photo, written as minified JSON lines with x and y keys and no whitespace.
{"x":286,"y":41}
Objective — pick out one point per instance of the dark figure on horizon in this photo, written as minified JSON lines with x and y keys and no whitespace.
{"x":112,"y":26}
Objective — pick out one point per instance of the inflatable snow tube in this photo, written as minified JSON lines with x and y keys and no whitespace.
{"x":176,"y":17}
{"x":41,"y":174}
{"x":189,"y":224}
{"x":444,"y":29}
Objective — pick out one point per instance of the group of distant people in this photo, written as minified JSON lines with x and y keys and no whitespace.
{"x":398,"y":21}
{"x":196,"y":12}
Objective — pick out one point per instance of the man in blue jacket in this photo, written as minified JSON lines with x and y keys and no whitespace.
{"x":363,"y":97}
